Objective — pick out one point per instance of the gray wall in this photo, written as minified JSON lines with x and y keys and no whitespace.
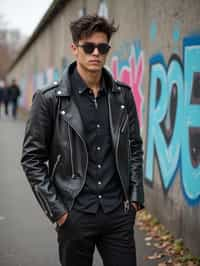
{"x":157,"y":52}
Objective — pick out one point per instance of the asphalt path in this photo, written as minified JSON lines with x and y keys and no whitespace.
{"x":27,"y":238}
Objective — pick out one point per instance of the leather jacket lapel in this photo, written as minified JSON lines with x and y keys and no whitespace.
{"x":73,"y":118}
{"x":117,"y":113}
{"x":69,"y":109}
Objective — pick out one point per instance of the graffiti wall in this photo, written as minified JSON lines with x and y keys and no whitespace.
{"x":30,"y":84}
{"x":173,"y":130}
{"x":127,"y":65}
{"x":174,"y":119}
{"x":166,"y":88}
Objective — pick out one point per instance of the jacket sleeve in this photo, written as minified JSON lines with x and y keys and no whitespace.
{"x":135,"y":153}
{"x":35,"y":156}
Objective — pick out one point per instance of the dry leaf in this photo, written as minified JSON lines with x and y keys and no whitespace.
{"x":156,"y":245}
{"x":148,"y":244}
{"x":155,"y":256}
{"x":165,"y":244}
{"x":148,"y":238}
{"x":165,"y":237}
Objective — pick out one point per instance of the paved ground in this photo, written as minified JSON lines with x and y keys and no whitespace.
{"x":26,"y":236}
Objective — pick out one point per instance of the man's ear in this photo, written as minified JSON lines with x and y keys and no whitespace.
{"x":74,"y":49}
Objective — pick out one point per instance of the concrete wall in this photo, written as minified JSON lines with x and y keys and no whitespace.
{"x":157,"y":52}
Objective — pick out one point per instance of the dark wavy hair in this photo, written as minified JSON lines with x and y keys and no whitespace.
{"x":86,"y":25}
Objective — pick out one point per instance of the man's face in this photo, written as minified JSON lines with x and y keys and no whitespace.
{"x":92,"y":61}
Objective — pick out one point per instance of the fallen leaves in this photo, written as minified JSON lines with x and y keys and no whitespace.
{"x":149,"y":238}
{"x":155,"y":256}
{"x":172,"y":250}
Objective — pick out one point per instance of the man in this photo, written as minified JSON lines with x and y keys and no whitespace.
{"x":1,"y":93}
{"x":6,"y":97}
{"x":14,"y":95}
{"x":82,"y":154}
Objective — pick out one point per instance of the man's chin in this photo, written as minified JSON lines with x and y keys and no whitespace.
{"x":94,"y":68}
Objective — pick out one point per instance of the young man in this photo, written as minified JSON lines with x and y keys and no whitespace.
{"x":82,"y":154}
{"x":2,"y":86}
{"x":14,"y":96}
{"x":6,"y":97}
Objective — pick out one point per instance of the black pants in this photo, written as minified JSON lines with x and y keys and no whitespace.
{"x":111,"y":233}
{"x":6,"y":106}
{"x":14,"y":108}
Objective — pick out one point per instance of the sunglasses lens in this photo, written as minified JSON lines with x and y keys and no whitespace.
{"x":88,"y":48}
{"x":103,"y":48}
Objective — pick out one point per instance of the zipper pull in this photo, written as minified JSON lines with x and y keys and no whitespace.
{"x":126,"y":206}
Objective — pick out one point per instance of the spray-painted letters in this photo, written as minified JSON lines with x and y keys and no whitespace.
{"x":174,"y":118}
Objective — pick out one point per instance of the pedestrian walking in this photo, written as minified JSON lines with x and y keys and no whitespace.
{"x":1,"y":94}
{"x":82,"y":153}
{"x":14,"y":96}
{"x":6,"y":98}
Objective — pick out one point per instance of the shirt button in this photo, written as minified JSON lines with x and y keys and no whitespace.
{"x":99,"y":166}
{"x":99,"y":183}
{"x":98,"y":126}
{"x":100,"y":196}
{"x":63,"y":112}
{"x":98,"y":148}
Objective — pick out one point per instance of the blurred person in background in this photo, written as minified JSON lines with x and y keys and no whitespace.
{"x":2,"y":86}
{"x":82,"y":153}
{"x":14,"y":96}
{"x":6,"y":97}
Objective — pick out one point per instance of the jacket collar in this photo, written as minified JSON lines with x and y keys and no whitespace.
{"x":65,"y":85}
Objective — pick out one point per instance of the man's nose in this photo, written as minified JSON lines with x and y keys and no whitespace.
{"x":96,"y":51}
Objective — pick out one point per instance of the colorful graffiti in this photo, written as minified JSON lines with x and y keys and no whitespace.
{"x":131,"y":72}
{"x":153,"y":31}
{"x":38,"y":81}
{"x":173,"y":129}
{"x":174,"y":119}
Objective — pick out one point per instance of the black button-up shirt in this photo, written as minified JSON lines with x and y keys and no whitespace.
{"x":102,"y":187}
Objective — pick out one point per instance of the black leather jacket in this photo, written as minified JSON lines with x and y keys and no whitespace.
{"x":55,"y":157}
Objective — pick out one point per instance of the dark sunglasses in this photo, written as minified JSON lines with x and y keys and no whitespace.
{"x":88,"y":47}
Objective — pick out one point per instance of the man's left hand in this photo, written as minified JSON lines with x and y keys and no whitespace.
{"x":135,"y":205}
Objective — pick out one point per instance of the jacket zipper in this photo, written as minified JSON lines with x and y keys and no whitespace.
{"x":39,"y":199}
{"x":71,"y":152}
{"x":55,"y":165}
{"x":126,"y":202}
{"x":86,"y":160}
{"x":43,"y":202}
{"x":124,"y":124}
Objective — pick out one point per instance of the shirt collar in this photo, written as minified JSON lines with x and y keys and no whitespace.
{"x":80,"y":84}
